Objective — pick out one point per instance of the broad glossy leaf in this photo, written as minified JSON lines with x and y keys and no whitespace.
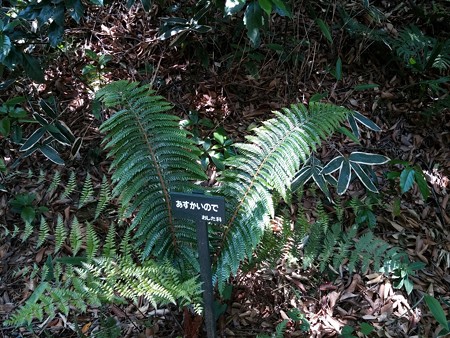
{"x":5,"y":126}
{"x":254,"y":20}
{"x":416,"y":266}
{"x":409,"y":286}
{"x":27,"y":214}
{"x":32,"y":68}
{"x":366,"y":329}
{"x":14,"y":101}
{"x":16,"y":133}
{"x":169,"y":31}
{"x":407,"y":179}
{"x":368,"y":158}
{"x":76,"y":146}
{"x":55,"y":33}
{"x":9,"y":28}
{"x":353,"y":125}
{"x":218,"y":161}
{"x":75,"y":9}
{"x":58,"y":136}
{"x":365,"y":121}
{"x":147,"y":4}
{"x":18,"y":113}
{"x":281,"y":8}
{"x":33,"y":139}
{"x":48,"y":109}
{"x":344,"y":177}
{"x":233,"y":6}
{"x":5,"y":46}
{"x":266,"y":5}
{"x":64,"y":130}
{"x":43,"y":122}
{"x":51,"y":154}
{"x":302,"y":176}
{"x":320,"y":181}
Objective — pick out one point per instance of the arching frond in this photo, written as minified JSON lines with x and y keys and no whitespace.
{"x":152,"y":157}
{"x":264,"y":165}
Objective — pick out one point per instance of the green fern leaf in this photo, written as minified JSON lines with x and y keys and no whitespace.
{"x":56,"y":180}
{"x":60,"y":233}
{"x":87,"y":192}
{"x":27,"y":231}
{"x":43,"y":233}
{"x":70,"y":186}
{"x":109,"y":249}
{"x":268,"y":163}
{"x":152,"y":157}
{"x":92,"y":242}
{"x":75,"y":236}
{"x":331,"y":238}
{"x":104,"y":198}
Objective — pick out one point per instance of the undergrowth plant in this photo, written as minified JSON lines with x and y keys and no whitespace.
{"x":152,"y":157}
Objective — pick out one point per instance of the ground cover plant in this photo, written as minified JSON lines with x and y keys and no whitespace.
{"x":354,"y":246}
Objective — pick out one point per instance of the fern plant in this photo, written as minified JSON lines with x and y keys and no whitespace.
{"x":153,"y":156}
{"x":421,"y":52}
{"x":79,"y":282}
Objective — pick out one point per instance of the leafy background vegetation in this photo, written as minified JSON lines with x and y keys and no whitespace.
{"x":323,"y":236}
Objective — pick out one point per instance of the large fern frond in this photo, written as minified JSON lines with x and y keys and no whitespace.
{"x":152,"y":157}
{"x":264,"y":165}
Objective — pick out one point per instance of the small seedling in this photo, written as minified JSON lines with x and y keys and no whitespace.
{"x":408,"y":176}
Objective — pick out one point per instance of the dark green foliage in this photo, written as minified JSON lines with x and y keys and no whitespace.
{"x":331,"y":244}
{"x":263,"y":166}
{"x":420,"y":52}
{"x":81,"y":281}
{"x":152,"y":157}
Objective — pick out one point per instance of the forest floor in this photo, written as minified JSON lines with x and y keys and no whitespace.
{"x":236,"y":89}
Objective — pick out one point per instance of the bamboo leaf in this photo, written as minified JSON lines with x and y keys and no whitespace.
{"x":363,"y":177}
{"x":344,"y":177}
{"x":51,"y":154}
{"x":368,"y":158}
{"x":333,"y":165}
{"x":33,"y":139}
{"x":324,"y":29}
{"x":365,"y":86}
{"x":365,"y":121}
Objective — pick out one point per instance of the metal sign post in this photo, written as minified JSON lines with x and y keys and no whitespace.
{"x":202,"y":209}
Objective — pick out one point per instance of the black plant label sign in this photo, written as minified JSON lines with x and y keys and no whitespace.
{"x":198,"y":207}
